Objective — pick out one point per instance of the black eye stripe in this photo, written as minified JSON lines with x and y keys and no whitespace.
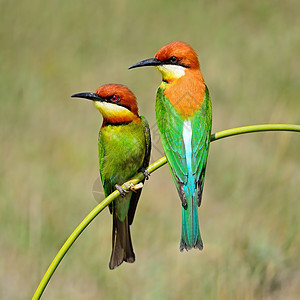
{"x":174,"y":60}
{"x":114,"y":99}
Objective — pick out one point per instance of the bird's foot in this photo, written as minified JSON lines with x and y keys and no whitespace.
{"x":121,"y":190}
{"x":145,"y":172}
{"x":134,"y":187}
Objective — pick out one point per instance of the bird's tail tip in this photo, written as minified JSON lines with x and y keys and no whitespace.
{"x":115,"y":260}
{"x":185,"y":245}
{"x":122,"y":249}
{"x":190,"y":232}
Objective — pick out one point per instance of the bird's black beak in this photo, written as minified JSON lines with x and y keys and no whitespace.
{"x":90,"y":96}
{"x":146,"y":62}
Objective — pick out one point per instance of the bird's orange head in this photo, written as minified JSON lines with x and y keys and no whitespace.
{"x":178,"y":53}
{"x":116,"y":103}
{"x":182,"y":80}
{"x":172,"y":60}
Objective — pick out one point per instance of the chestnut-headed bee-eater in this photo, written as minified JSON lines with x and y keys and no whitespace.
{"x":124,"y":149}
{"x":183,"y":115}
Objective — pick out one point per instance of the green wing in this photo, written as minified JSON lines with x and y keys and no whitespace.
{"x":148,"y":142}
{"x":135,"y":196}
{"x":201,"y":126}
{"x":170,"y":125}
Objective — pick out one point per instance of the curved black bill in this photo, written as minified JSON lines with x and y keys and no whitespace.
{"x":146,"y":62}
{"x":90,"y":96}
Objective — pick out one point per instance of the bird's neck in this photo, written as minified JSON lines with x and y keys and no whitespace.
{"x":120,"y":120}
{"x":185,"y":93}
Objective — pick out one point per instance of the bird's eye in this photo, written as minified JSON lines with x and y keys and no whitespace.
{"x":114,"y":98}
{"x":174,"y":59}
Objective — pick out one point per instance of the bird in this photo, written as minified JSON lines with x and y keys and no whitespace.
{"x":124,"y":147}
{"x":184,"y":119}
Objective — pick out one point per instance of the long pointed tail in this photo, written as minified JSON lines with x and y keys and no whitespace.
{"x":190,"y":233}
{"x":122,"y":249}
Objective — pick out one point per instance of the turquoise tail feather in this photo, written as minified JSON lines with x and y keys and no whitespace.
{"x":190,"y":234}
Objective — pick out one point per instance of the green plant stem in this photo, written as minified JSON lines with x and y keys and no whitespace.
{"x":254,"y":128}
{"x":136,"y":179}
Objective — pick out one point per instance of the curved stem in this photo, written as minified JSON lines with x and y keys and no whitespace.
{"x":136,"y":179}
{"x":254,"y":128}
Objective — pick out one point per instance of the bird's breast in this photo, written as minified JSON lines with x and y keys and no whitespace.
{"x":187,"y":93}
{"x":124,"y":151}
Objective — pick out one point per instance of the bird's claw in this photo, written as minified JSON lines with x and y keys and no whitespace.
{"x":133,"y":187}
{"x":121,"y":190}
{"x":136,"y":187}
{"x":145,"y":172}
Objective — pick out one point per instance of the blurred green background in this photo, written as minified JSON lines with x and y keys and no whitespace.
{"x":249,"y":54}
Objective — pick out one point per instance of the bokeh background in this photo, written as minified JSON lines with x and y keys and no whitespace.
{"x":249,"y":55}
